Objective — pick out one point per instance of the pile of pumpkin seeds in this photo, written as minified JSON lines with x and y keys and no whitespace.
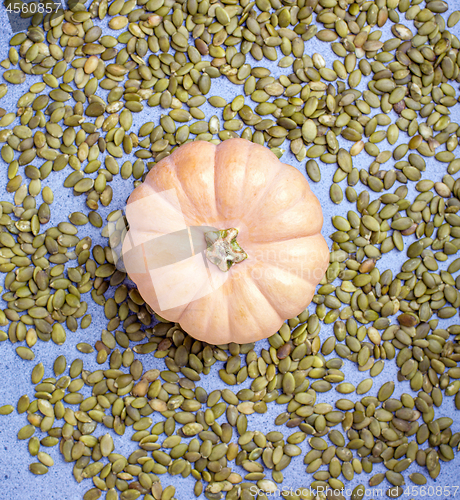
{"x":90,"y":72}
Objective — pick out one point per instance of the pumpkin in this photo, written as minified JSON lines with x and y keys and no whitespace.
{"x":225,"y":240}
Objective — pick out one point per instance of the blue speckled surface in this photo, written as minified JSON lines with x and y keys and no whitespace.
{"x":17,"y":483}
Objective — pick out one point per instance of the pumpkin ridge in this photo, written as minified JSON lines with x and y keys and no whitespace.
{"x":193,"y":300}
{"x":190,"y":203}
{"x":269,"y":302}
{"x":250,"y":311}
{"x":138,"y":224}
{"x":215,"y":179}
{"x":279,"y":264}
{"x":290,"y":238}
{"x":209,"y":318}
{"x":298,"y":200}
{"x":264,"y":192}
{"x":285,"y":271}
{"x":223,"y":144}
{"x":156,"y":189}
{"x":308,"y":221}
{"x":209,"y":315}
{"x":179,"y":181}
{"x":186,"y":211}
{"x":215,"y":182}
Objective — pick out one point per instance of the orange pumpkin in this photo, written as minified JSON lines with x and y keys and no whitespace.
{"x":225,"y":240}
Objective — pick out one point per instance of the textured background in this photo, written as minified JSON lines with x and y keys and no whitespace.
{"x":19,"y":483}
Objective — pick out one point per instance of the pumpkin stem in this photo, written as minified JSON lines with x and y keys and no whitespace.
{"x":222,"y":248}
